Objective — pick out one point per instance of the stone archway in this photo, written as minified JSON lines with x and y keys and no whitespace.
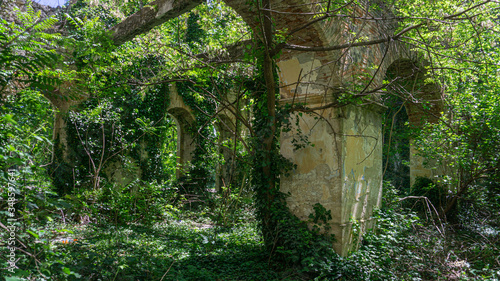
{"x":184,"y":120}
{"x":423,"y":103}
{"x":340,"y":166}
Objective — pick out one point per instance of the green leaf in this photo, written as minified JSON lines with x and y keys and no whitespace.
{"x":66,"y":270}
{"x":33,"y":234}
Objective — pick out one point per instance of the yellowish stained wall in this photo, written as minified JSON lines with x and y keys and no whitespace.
{"x":342,"y":171}
{"x":361,"y":169}
{"x":317,"y":172}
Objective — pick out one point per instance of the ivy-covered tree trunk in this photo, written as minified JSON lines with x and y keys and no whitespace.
{"x":265,"y":173}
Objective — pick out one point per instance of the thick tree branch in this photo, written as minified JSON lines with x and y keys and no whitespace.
{"x":153,"y":14}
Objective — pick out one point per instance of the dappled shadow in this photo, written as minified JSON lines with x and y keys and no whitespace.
{"x":175,"y":251}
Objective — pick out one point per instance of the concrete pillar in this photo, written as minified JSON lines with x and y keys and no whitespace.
{"x":63,"y":155}
{"x":418,"y":117}
{"x":361,"y":171}
{"x":342,"y":171}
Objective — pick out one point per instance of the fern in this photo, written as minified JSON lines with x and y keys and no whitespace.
{"x":46,"y":24}
{"x":27,"y":50}
{"x":75,"y":21}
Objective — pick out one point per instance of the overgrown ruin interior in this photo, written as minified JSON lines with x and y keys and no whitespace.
{"x":343,"y":169}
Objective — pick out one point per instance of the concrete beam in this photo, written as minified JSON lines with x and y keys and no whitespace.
{"x":153,"y":14}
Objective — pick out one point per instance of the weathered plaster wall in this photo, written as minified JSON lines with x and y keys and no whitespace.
{"x":305,"y":68}
{"x":361,"y":169}
{"x":317,"y":178}
{"x":342,"y":171}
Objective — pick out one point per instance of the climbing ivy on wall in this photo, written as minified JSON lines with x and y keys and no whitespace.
{"x":199,"y":176}
{"x":196,"y":96}
{"x":150,"y":124}
{"x":194,"y":33}
{"x":114,"y":127}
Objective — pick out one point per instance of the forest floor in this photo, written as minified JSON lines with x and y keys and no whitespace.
{"x":189,"y":248}
{"x":193,"y":245}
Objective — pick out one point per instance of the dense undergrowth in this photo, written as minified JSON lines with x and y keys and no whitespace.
{"x":172,"y":250}
{"x":184,"y":244}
